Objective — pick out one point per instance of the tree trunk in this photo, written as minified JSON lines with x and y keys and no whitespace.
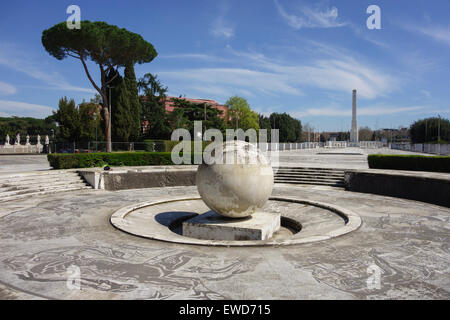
{"x":105,"y":100}
{"x":107,"y":129}
{"x":107,"y":121}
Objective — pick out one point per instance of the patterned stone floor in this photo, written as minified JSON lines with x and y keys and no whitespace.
{"x":49,"y":242}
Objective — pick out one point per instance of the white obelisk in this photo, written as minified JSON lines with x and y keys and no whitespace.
{"x":354,"y":131}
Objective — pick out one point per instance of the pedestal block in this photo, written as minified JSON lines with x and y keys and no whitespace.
{"x":212,"y":226}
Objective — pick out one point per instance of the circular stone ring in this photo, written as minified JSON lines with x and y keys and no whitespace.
{"x":154,"y":220}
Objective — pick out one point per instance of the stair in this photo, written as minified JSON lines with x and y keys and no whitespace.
{"x":23,"y":185}
{"x":311,"y":176}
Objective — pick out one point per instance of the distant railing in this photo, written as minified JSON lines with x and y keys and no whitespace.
{"x":160,"y":146}
{"x":328,"y":144}
{"x":18,"y":148}
{"x":443,"y":149}
{"x":290,"y":146}
{"x":100,"y":146}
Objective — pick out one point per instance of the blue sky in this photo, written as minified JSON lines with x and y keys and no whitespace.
{"x":295,"y":56}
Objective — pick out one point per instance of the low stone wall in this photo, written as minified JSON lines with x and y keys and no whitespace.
{"x":430,"y":187}
{"x":427,"y":187}
{"x":139,"y":178}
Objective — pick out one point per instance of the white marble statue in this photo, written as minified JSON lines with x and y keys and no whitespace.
{"x":7,"y":140}
{"x":27,"y":143}
{"x":17,"y":139}
{"x":38,"y":139}
{"x":47,"y":140}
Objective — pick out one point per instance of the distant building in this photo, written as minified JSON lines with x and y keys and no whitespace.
{"x":169,"y":106}
{"x":145,"y":126}
{"x":333,"y":136}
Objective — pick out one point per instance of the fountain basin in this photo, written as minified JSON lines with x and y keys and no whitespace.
{"x":302,"y":221}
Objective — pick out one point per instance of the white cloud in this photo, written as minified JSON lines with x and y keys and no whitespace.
{"x":437,"y":33}
{"x":311,"y":17}
{"x":199,"y":56}
{"x":23,"y":109}
{"x":222,"y":29}
{"x":379,"y":110}
{"x":232,"y":78}
{"x":426,"y":93}
{"x":11,"y":59}
{"x":330,"y":69}
{"x":364,"y":111}
{"x":341,"y":73}
{"x":6,"y":88}
{"x":208,"y":90}
{"x":194,"y":56}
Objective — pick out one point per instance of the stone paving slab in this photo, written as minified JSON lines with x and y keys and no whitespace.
{"x":20,"y":163}
{"x":43,"y":238}
{"x":336,"y":158}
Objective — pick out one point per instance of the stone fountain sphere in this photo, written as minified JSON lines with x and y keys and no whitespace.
{"x":239,"y":189}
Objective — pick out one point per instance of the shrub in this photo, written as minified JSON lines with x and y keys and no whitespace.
{"x":88,"y":160}
{"x":410,"y":162}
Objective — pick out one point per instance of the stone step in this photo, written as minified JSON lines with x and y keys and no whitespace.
{"x":38,"y":184}
{"x":37,"y":173}
{"x":309,"y":178}
{"x":311,"y":181}
{"x":310,"y":170}
{"x":22,"y":196}
{"x":320,"y":174}
{"x":335,"y":184}
{"x":60,"y":187}
{"x":40,"y":177}
{"x":310,"y":174}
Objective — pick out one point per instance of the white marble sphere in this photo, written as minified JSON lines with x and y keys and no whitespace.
{"x":239,"y":189}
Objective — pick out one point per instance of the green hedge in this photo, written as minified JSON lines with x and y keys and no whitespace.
{"x":87,"y":160}
{"x":409,"y":162}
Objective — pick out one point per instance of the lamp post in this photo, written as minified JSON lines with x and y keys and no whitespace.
{"x":95,"y":119}
{"x":52,"y":131}
{"x":110,"y":120}
{"x":439,"y":134}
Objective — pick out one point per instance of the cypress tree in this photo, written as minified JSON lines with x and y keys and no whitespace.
{"x":134,"y":105}
{"x":120,"y":109}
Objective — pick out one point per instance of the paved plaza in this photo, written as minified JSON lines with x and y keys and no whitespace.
{"x":342,"y":158}
{"x":42,"y":237}
{"x":21,"y":163}
{"x":347,"y":158}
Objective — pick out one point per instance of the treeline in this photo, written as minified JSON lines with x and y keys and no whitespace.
{"x":430,"y":130}
{"x":25,"y":125}
{"x":290,"y":129}
{"x":78,"y":123}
